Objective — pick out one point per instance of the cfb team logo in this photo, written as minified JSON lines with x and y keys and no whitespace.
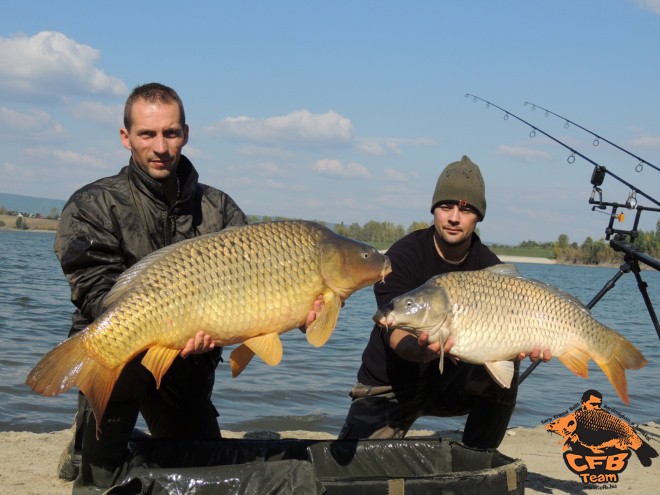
{"x":597,"y":444}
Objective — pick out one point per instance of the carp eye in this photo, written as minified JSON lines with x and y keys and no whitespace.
{"x":365,"y":255}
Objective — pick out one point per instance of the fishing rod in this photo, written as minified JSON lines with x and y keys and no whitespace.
{"x":596,"y":141}
{"x":571,"y":159}
{"x":632,"y":255}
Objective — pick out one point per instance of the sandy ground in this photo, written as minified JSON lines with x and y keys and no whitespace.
{"x":28,"y":461}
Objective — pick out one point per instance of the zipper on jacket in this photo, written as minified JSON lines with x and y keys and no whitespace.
{"x":167,"y":227}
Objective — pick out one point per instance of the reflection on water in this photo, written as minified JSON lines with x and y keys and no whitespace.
{"x":309,"y":388}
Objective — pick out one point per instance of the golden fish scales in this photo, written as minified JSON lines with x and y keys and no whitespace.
{"x":168,"y":306}
{"x":493,"y":315}
{"x":243,"y":285}
{"x":500,"y":306}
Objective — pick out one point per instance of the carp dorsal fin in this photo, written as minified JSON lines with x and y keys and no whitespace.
{"x":268,"y":347}
{"x":501,"y":372}
{"x":125,"y":282}
{"x":321,"y":329}
{"x":158,"y":360}
{"x":504,"y":269}
{"x":510,"y":270}
{"x":239,"y":359}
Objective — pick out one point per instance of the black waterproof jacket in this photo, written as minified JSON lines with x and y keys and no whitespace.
{"x":109,"y":225}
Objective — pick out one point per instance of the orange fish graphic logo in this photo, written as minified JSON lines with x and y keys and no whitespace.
{"x":597,"y":444}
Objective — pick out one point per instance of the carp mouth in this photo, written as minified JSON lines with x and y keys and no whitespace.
{"x":388,"y":322}
{"x":382,"y":320}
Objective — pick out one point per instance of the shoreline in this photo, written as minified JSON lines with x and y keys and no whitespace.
{"x":29,"y":460}
{"x":526,"y":259}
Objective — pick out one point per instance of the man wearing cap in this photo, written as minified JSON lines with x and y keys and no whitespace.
{"x":399,"y":379}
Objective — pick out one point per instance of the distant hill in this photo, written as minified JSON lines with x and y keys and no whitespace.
{"x":29,"y":204}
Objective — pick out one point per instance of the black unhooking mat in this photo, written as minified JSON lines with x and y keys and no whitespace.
{"x":307,"y":467}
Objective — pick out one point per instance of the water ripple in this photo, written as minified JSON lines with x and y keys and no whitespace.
{"x":309,"y":388}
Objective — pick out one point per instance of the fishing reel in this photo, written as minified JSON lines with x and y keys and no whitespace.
{"x":597,"y":179}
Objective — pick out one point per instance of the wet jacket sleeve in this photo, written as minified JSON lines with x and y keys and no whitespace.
{"x":89,"y":252}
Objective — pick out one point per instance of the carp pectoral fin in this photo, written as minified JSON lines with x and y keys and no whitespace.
{"x":321,"y":329}
{"x":501,"y":372}
{"x":158,"y":360}
{"x":268,"y":347}
{"x":576,"y":361}
{"x":239,"y":359}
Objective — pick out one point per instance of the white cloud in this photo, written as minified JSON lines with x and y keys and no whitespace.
{"x":51,"y":65}
{"x":13,"y":172}
{"x":267,"y":168}
{"x":300,"y":128}
{"x":286,"y":186}
{"x":652,"y":5}
{"x":393,"y":175}
{"x":522,"y":153}
{"x":195,"y":153}
{"x":32,"y":124}
{"x":111,"y":116}
{"x":261,"y":151}
{"x":378,"y":146}
{"x":647,"y":141}
{"x":335,"y":168}
{"x":371,"y":147}
{"x":67,"y":157}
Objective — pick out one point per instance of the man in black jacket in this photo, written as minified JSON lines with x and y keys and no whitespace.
{"x":399,"y":379}
{"x":106,"y":227}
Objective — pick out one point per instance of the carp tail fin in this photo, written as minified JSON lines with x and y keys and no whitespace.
{"x":624,"y":356}
{"x":645,"y":453}
{"x":68,"y":365}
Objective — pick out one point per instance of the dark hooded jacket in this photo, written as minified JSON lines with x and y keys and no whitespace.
{"x":109,"y":225}
{"x":414,"y":261}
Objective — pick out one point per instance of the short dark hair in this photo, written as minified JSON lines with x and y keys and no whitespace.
{"x":152,"y":92}
{"x":589,"y":393}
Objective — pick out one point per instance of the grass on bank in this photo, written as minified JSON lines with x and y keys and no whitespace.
{"x":9,"y":222}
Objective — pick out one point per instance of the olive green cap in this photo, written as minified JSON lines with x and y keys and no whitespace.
{"x":461,"y":183}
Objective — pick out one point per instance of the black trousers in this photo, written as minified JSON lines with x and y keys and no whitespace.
{"x":180,"y":409}
{"x":463,"y":389}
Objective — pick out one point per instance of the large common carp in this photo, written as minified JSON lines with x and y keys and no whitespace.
{"x":241,"y":285}
{"x":495,"y":314}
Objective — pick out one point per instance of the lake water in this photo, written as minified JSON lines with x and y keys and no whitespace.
{"x":309,"y":388}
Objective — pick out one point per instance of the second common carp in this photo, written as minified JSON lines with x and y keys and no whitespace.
{"x":243,"y":285}
{"x":494,"y":314}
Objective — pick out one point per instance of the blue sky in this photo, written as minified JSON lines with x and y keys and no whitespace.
{"x":345,"y":111}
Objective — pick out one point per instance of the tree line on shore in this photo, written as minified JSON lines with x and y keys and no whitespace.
{"x":590,"y":252}
{"x":384,"y":234}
